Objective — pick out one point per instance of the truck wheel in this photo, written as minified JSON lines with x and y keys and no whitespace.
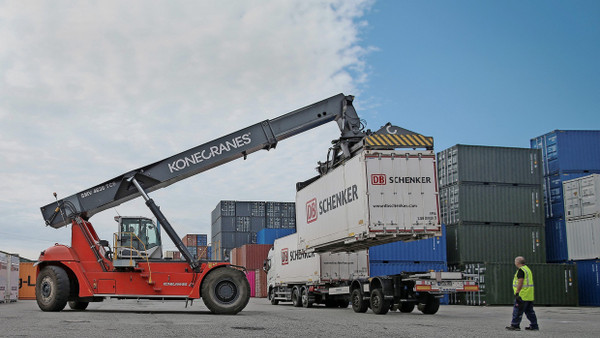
{"x":305,"y":300}
{"x":430,"y":306}
{"x":52,"y":288}
{"x":296,"y":299}
{"x":272,"y":297}
{"x":225,"y":291}
{"x":407,"y":307}
{"x":359,"y":305}
{"x":77,"y":305}
{"x":378,"y":303}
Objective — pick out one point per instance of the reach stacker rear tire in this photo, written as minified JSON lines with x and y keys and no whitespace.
{"x":52,"y":288}
{"x":225,"y":291}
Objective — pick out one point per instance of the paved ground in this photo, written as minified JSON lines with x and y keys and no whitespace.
{"x":129,"y":318}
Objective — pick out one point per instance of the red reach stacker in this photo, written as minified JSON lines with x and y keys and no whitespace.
{"x":90,"y":270}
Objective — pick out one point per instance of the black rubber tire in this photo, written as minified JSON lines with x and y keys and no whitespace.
{"x":225,"y":291}
{"x":77,"y":305}
{"x":52,"y":288}
{"x":379,"y":305}
{"x":359,"y":305}
{"x":407,"y":307}
{"x":296,"y":297}
{"x":305,"y":300}
{"x":272,"y":297}
{"x":429,"y":305}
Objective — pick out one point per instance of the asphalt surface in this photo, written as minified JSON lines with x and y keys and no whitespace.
{"x":131,"y":318}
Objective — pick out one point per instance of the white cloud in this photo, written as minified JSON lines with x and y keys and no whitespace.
{"x":89,"y":91}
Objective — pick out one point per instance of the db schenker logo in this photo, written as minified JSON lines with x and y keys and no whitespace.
{"x":285,"y":257}
{"x":311,"y":210}
{"x":378,"y":179}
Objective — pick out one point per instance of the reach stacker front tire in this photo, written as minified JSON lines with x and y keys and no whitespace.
{"x":52,"y":288}
{"x":225,"y":291}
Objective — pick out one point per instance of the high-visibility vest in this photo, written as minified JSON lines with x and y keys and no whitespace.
{"x":526,"y":292}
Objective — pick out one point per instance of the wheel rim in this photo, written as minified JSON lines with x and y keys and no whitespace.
{"x":356,"y":301}
{"x":226,"y":291}
{"x":376,"y":301}
{"x":304,"y":297}
{"x":46,"y":288}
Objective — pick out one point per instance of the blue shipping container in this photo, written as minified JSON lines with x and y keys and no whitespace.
{"x":268,"y":236}
{"x":202,"y":240}
{"x":556,"y":240}
{"x":393,"y":268}
{"x":425,"y":250}
{"x":588,"y":277}
{"x":566,"y":151}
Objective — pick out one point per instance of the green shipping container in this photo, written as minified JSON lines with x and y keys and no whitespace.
{"x":555,"y":284}
{"x":494,"y":243}
{"x":481,"y":203}
{"x":467,"y":163}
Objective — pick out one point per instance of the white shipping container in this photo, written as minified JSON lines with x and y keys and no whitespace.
{"x":583,"y":238}
{"x":13,"y":279}
{"x":581,"y":196}
{"x":289,"y":264}
{"x":4,"y":266}
{"x":374,"y":198}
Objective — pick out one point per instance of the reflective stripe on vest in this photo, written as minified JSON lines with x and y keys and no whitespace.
{"x":526,"y":292}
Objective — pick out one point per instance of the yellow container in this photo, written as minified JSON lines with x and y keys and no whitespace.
{"x":27,"y":277}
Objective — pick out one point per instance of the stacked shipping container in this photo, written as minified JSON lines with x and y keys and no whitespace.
{"x":235,"y":223}
{"x":491,"y":202}
{"x":9,"y":277}
{"x":252,"y":257}
{"x":197,"y":246}
{"x":570,"y":157}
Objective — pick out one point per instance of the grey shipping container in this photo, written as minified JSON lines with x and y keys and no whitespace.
{"x":273,"y":209}
{"x":243,"y":208}
{"x":468,"y":163}
{"x":554,"y":284}
{"x":257,"y":223}
{"x":223,"y":208}
{"x":483,"y":203}
{"x":224,"y":223}
{"x":495,"y":243}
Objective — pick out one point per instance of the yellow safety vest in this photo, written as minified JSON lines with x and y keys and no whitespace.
{"x":526,"y":292}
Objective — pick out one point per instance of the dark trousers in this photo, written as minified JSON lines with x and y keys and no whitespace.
{"x":527,"y":308}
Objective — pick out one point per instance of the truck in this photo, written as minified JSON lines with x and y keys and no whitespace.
{"x":90,"y":270}
{"x":387,"y":191}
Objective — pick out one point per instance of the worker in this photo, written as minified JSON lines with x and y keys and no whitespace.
{"x":523,"y":291}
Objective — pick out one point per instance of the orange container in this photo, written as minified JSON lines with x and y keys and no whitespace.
{"x":27,"y":277}
{"x":260,"y":289}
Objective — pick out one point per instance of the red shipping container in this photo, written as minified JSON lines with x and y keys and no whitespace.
{"x":261,"y":284}
{"x":253,"y":256}
{"x":202,"y":252}
{"x":189,"y":240}
{"x":250,"y":274}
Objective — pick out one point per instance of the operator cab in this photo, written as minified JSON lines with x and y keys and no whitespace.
{"x":137,"y":238}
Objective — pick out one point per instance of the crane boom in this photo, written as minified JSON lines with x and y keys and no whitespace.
{"x":262,"y":135}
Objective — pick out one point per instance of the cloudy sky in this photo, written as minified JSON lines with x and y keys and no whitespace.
{"x":90,"y":90}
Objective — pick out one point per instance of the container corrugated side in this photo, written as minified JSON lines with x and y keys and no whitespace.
{"x":470,"y":163}
{"x":582,"y":197}
{"x":494,"y":243}
{"x":588,"y":279}
{"x":569,"y":150}
{"x":426,"y":250}
{"x":268,"y":236}
{"x":481,"y":203}
{"x":4,"y":266}
{"x":252,"y":256}
{"x":251,"y":276}
{"x":27,"y":275}
{"x":261,"y":284}
{"x":555,"y":284}
{"x":556,"y":240}
{"x":583,"y":238}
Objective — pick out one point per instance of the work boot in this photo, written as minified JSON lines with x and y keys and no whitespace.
{"x":531,"y":328}
{"x":513,"y":328}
